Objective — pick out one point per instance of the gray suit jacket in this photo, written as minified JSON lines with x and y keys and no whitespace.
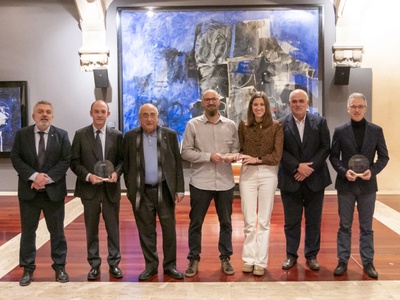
{"x":344,"y":146}
{"x":84,"y":158}
{"x":57,"y":160}
{"x":170,"y":160}
{"x":314,"y":148}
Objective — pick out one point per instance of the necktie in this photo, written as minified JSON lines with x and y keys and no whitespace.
{"x":99,"y":149}
{"x":41,"y":149}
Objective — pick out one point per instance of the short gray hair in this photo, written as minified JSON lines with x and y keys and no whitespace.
{"x":356,"y":95}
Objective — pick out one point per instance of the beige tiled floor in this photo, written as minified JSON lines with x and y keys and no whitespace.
{"x":354,"y":290}
{"x":228,"y":291}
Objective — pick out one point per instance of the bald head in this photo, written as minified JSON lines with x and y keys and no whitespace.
{"x":148,"y":117}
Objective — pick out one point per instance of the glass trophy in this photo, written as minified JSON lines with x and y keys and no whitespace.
{"x":104,"y":169}
{"x":359,"y":164}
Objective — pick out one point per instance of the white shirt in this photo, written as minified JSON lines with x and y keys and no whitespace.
{"x":300,"y":126}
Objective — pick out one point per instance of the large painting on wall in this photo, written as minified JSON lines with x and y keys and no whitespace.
{"x":13,"y":116}
{"x":170,"y":56}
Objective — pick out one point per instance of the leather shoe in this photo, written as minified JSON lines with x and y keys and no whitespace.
{"x":174,"y":273}
{"x":340,"y":269}
{"x":370,"y":270}
{"x":312,"y":264}
{"x":290,"y":262}
{"x":62,"y":276}
{"x":116,"y":272}
{"x":147,"y":274}
{"x":26,"y":278}
{"x":94,"y":273}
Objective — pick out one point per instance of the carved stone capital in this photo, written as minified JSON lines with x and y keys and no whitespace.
{"x":93,"y":59}
{"x":347,"y":56}
{"x":94,"y":52}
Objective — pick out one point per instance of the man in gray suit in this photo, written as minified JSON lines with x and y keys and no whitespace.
{"x":358,"y":136}
{"x":41,"y":155}
{"x":97,"y":194}
{"x":154,"y":178}
{"x":302,"y":178}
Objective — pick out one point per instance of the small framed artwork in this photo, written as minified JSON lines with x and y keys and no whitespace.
{"x":169,"y":56}
{"x":13,"y":113}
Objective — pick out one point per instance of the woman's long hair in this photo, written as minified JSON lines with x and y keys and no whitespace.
{"x":267,"y":118}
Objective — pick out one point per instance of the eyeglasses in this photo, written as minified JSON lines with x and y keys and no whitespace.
{"x":354,"y":107}
{"x":210,"y":99}
{"x":301,"y":101}
{"x":148,"y":116}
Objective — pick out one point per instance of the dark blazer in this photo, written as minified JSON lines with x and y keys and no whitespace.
{"x":314,"y":148}
{"x":170,"y":160}
{"x":344,"y":146}
{"x":57,"y":160}
{"x":84,"y":158}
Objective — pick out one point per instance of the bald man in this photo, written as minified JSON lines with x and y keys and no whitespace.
{"x":154,"y":178}
{"x":99,"y":196}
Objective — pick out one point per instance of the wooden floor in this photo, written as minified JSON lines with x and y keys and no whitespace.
{"x":387,"y":245}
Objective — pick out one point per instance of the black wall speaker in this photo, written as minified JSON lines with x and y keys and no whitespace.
{"x":101,"y":78}
{"x":342,"y":75}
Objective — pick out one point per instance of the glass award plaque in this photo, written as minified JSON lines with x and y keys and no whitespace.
{"x":359,"y":164}
{"x":104,"y":169}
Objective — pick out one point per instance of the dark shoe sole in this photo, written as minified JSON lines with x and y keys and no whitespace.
{"x":148,"y":277}
{"x":179,"y":277}
{"x":118,"y":276}
{"x":190,"y":274}
{"x":93,"y":277}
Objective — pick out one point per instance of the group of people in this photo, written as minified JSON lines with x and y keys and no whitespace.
{"x":289,"y":153}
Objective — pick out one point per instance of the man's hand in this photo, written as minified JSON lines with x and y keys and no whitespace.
{"x":231,"y":157}
{"x":113,"y":178}
{"x":37,"y":186}
{"x":179,"y":197}
{"x":351,"y":175}
{"x":40,"y":181}
{"x":304,"y":169}
{"x":299,"y":177}
{"x":216,"y":158}
{"x":366,"y":175}
{"x":94,"y":179}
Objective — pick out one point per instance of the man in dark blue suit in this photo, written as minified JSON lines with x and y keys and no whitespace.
{"x":99,"y":196}
{"x":41,"y":155}
{"x":302,"y":178}
{"x":358,"y":136}
{"x":154,"y":178}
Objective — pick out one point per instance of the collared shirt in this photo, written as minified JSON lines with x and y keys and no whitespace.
{"x":202,"y":138}
{"x":300,"y":126}
{"x":37,"y":138}
{"x":150,"y":158}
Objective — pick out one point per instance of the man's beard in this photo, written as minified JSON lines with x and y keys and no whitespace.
{"x":213,"y":112}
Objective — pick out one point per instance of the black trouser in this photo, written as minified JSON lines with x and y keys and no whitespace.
{"x":54,"y":212}
{"x":145,"y":216}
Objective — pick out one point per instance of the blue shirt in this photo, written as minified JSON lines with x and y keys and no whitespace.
{"x":150,"y":158}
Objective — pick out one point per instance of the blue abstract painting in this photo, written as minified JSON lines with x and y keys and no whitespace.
{"x":170,"y":57}
{"x":12,"y":113}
